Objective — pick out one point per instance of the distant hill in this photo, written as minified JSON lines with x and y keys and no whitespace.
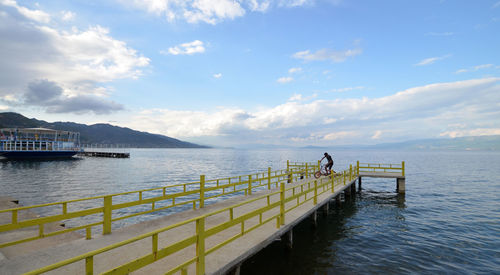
{"x":99,"y":133}
{"x":472,"y":143}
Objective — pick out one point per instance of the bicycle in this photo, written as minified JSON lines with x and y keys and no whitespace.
{"x":322,"y":172}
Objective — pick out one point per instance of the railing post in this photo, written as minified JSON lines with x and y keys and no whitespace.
{"x":14,"y":216}
{"x":155,"y":245}
{"x":202,"y":191}
{"x":106,"y":226}
{"x":287,"y":165}
{"x":333,"y":184}
{"x":350,"y":172}
{"x":200,"y":246}
{"x":307,"y":172}
{"x":89,"y":265}
{"x":249,"y":184}
{"x":357,"y":168}
{"x":315,"y":192}
{"x":290,"y":176}
{"x":344,"y":176}
{"x":319,"y":165}
{"x":282,"y":203}
{"x":403,"y":168}
{"x":269,"y":178}
{"x":88,"y":233}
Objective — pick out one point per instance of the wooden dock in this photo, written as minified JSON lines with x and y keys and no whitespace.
{"x":212,"y":239}
{"x":104,"y":154}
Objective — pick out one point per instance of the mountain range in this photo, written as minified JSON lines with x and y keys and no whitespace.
{"x":98,"y":133}
{"x":108,"y":134}
{"x":470,"y":143}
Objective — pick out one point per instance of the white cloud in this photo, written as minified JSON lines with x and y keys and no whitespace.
{"x":431,"y":60}
{"x":36,"y":15}
{"x":262,"y":6}
{"x":189,"y":123}
{"x":3,"y":108}
{"x":219,"y":75}
{"x":347,"y":89}
{"x":420,"y":112}
{"x":77,"y":61}
{"x":327,"y":54}
{"x":195,"y":11}
{"x":67,"y":15}
{"x":189,"y":48}
{"x":211,"y":11}
{"x":285,"y":79}
{"x":294,"y":3}
{"x":475,"y":68}
{"x":295,"y":70}
{"x":377,"y":134}
{"x":295,"y":97}
{"x":340,"y":135}
{"x":496,"y":5}
{"x":299,"y":97}
{"x":484,"y":66}
{"x":471,"y":132}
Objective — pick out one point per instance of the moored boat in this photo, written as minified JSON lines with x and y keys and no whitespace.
{"x":38,"y":143}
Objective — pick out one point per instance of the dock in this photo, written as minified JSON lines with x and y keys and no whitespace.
{"x":104,"y":154}
{"x":214,"y":237}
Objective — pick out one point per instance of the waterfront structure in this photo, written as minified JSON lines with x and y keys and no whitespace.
{"x":214,"y":238}
{"x":38,"y":143}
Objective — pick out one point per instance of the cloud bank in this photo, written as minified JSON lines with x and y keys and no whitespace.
{"x":78,"y":62}
{"x":428,"y":111}
{"x":210,"y":11}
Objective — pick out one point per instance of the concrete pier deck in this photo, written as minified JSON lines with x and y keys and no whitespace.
{"x":11,"y":252}
{"x":220,"y":261}
{"x":213,"y":238}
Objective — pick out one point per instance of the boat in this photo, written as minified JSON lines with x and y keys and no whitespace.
{"x":38,"y":143}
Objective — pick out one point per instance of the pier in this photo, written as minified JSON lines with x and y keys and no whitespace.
{"x":214,"y":236}
{"x":104,"y":154}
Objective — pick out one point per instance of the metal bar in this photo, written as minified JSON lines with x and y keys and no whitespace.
{"x":282,"y":203}
{"x":200,"y":246}
{"x":202,"y":191}
{"x":106,"y":226}
{"x":249,"y":184}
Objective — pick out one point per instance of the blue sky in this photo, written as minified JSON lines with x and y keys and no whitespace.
{"x":287,"y":72}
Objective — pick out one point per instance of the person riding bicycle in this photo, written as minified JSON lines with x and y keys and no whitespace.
{"x":329,"y":165}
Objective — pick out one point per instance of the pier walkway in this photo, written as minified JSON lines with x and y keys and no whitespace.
{"x":209,"y":239}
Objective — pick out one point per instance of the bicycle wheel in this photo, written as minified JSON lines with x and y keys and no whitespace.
{"x":317,"y":174}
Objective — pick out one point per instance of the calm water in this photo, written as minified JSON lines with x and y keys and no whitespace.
{"x":448,"y":221}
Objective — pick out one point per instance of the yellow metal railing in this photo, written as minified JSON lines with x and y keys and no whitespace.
{"x":386,"y":168}
{"x":102,"y":207}
{"x":275,"y":206}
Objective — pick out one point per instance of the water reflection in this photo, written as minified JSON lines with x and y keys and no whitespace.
{"x":37,"y":164}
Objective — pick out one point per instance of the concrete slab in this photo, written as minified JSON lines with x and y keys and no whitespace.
{"x":29,"y":247}
{"x":219,"y":262}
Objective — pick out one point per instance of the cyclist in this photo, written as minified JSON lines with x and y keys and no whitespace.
{"x":329,"y":165}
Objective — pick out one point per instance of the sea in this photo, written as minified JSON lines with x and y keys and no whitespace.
{"x":447,"y":222}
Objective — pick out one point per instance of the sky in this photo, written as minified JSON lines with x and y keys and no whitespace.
{"x":250,"y":72}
